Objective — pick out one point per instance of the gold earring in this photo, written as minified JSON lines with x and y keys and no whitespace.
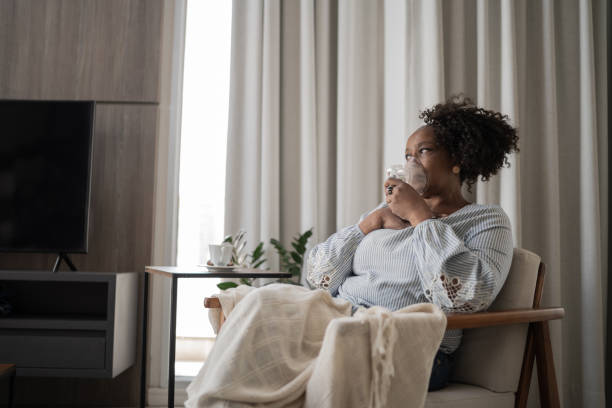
{"x":456,"y":169}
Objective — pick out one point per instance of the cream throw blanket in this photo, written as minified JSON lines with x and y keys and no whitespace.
{"x":288,"y":346}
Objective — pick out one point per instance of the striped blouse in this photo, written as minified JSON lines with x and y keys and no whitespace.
{"x":459,"y":263}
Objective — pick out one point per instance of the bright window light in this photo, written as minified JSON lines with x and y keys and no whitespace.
{"x":202,"y":163}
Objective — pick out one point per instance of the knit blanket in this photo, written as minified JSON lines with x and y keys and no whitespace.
{"x":288,"y":346}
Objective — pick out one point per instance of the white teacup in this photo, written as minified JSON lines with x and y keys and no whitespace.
{"x":220,"y":255}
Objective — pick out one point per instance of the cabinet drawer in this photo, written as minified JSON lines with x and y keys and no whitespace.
{"x":53,"y":348}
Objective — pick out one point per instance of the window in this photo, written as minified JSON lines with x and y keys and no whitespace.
{"x":202,"y":169}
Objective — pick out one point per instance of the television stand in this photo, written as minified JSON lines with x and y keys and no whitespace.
{"x":65,"y":258}
{"x":69,"y":324}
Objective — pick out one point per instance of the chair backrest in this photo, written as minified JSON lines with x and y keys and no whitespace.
{"x":492,"y":357}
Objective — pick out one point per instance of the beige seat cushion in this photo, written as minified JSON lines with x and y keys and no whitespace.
{"x":468,"y":396}
{"x":492,"y":357}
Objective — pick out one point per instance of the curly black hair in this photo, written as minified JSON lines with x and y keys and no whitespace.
{"x":478,"y":140}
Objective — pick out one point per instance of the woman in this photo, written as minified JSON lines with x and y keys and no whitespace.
{"x":435,"y":247}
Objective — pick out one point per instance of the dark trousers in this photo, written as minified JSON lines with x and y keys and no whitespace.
{"x":441,"y":370}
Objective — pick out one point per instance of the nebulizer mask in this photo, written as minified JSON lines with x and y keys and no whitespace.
{"x":412,"y":172}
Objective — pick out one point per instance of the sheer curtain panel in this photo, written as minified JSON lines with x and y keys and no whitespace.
{"x":325,"y":93}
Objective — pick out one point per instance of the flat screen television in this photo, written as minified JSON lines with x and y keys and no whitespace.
{"x":45,"y":170}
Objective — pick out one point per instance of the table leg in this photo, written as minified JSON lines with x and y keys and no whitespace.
{"x":11,"y":398}
{"x":145,"y":317}
{"x":172,"y":344}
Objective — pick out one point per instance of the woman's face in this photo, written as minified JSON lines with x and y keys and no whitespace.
{"x":421,"y":145}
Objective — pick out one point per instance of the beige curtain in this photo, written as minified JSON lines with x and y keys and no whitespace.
{"x":324,"y":94}
{"x":304,"y":144}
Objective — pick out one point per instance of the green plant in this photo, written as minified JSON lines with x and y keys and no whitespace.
{"x":238,"y":241}
{"x":256,"y":256}
{"x":254,"y":260}
{"x":290,"y":260}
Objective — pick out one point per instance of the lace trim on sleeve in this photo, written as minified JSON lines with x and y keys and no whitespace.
{"x":455,"y":295}
{"x":323,"y":282}
{"x":329,"y":263}
{"x":320,"y":280}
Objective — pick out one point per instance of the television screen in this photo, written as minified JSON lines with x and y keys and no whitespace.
{"x":45,"y":166}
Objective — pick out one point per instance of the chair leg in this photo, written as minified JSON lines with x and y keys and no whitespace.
{"x":547,"y":380}
{"x":522,"y":394}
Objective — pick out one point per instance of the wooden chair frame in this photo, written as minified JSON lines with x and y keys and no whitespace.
{"x":537,"y":346}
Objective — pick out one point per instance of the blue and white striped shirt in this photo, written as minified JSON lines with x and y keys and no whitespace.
{"x":459,"y":263}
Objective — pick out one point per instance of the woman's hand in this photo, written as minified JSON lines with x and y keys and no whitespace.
{"x":382,"y":218}
{"x":405,"y":202}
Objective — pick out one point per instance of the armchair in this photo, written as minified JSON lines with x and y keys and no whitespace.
{"x":494,"y":363}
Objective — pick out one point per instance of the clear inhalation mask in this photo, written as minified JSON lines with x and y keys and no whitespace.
{"x":411,"y":172}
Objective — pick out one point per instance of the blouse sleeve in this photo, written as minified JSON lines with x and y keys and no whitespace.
{"x":329,"y":263}
{"x":464,"y":275}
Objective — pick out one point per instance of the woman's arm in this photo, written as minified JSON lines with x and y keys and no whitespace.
{"x":329,"y":263}
{"x":465,"y":276}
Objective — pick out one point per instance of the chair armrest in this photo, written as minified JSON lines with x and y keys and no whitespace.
{"x":212,"y":303}
{"x":474,"y":320}
{"x":502,"y":318}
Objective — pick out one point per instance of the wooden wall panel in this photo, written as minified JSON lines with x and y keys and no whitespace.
{"x":105,"y":50}
{"x":121,"y":211}
{"x":120,"y":215}
{"x":108,"y":51}
{"x":120,"y":234}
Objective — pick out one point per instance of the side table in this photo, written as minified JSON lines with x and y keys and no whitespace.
{"x":175,"y":273}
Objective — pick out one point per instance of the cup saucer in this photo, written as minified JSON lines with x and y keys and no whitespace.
{"x":218,"y":268}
